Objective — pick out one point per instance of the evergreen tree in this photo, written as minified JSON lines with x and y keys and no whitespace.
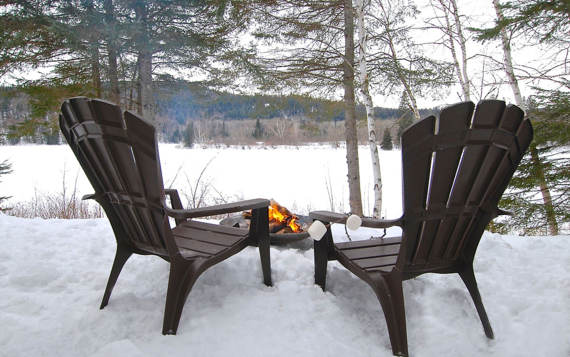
{"x":258,"y":132}
{"x":386,"y":140}
{"x":539,"y":190}
{"x":550,"y":116}
{"x":224,"y":132}
{"x":5,"y":168}
{"x":406,"y":117}
{"x":189,"y":134}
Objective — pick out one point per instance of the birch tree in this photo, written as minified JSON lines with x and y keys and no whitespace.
{"x":448,"y":21}
{"x":368,"y":104}
{"x":397,"y":61}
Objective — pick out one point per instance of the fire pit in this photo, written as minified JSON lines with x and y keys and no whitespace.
{"x":284,"y":226}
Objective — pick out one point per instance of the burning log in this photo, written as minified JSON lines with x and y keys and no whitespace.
{"x":281,"y":220}
{"x":275,"y":227}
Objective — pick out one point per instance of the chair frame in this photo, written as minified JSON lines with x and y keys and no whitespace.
{"x":119,"y":155}
{"x":446,"y":207}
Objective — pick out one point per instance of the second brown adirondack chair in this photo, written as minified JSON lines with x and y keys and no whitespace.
{"x":454,"y":170}
{"x":119,"y":155}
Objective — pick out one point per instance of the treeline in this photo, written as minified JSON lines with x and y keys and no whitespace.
{"x":21,"y":119}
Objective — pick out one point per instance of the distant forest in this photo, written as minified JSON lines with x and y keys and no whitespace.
{"x":27,"y":113}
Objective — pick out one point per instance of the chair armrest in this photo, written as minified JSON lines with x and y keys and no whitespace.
{"x":333,"y":217}
{"x":92,"y":196}
{"x":174,"y":198}
{"x":502,"y":212}
{"x":218,"y":209}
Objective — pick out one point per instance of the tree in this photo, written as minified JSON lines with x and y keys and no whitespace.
{"x":5,"y":168}
{"x":547,"y":163}
{"x":189,"y":134}
{"x":146,"y":36}
{"x":312,"y":49}
{"x":387,"y":140}
{"x":448,"y":21}
{"x":368,"y":104}
{"x":546,"y":166}
{"x":399,"y":61}
{"x":258,"y":132}
{"x":406,"y":119}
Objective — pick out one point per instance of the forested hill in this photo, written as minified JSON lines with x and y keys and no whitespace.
{"x":182,"y":102}
{"x":31,"y":112}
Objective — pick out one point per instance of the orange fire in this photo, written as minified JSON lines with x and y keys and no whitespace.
{"x":278,"y":213}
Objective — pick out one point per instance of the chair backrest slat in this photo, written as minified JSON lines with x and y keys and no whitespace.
{"x":416,"y":167}
{"x":445,"y":162}
{"x":454,"y":173}
{"x":119,"y":156}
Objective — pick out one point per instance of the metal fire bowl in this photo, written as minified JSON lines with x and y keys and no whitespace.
{"x":278,"y":239}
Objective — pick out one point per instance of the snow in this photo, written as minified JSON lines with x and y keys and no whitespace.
{"x":53,"y":274}
{"x":294,"y":176}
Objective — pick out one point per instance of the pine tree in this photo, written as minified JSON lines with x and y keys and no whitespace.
{"x":386,"y":140}
{"x":550,"y":116}
{"x":258,"y":132}
{"x":189,"y":134}
{"x":539,"y":190}
{"x":406,"y":118}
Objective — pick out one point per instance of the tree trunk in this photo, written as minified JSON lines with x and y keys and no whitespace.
{"x":461,"y":70}
{"x":112,"y":51}
{"x":397,"y":64}
{"x":367,"y":98}
{"x":144,"y":63}
{"x":537,"y":162}
{"x":466,"y":82}
{"x":93,"y":38}
{"x":95,"y":70}
{"x":508,"y":58}
{"x":548,"y":207}
{"x":355,"y":199}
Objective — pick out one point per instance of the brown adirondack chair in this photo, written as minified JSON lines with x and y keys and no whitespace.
{"x":119,"y":155}
{"x":454,"y":173}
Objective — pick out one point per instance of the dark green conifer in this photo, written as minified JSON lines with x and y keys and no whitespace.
{"x":386,"y":140}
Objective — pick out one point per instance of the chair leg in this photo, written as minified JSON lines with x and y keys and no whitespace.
{"x":264,"y":245}
{"x":259,"y":233}
{"x":388,"y":289}
{"x":180,"y":282}
{"x":468,"y":277}
{"x":121,"y":256}
{"x":321,"y":248}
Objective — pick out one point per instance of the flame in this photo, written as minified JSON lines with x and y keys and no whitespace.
{"x":278,"y":213}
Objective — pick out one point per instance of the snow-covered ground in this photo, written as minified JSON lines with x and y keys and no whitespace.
{"x":53,"y":274}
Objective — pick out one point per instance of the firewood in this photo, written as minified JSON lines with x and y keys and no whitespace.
{"x":275,"y":226}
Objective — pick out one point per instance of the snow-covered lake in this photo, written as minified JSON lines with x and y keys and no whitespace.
{"x":53,"y":274}
{"x":296,"y":177}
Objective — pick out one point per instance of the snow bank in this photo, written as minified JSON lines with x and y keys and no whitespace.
{"x":53,"y":274}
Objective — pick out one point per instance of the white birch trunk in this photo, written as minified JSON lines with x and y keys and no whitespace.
{"x":508,"y":59}
{"x":367,"y":98}
{"x":460,"y":69}
{"x":466,"y":82}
